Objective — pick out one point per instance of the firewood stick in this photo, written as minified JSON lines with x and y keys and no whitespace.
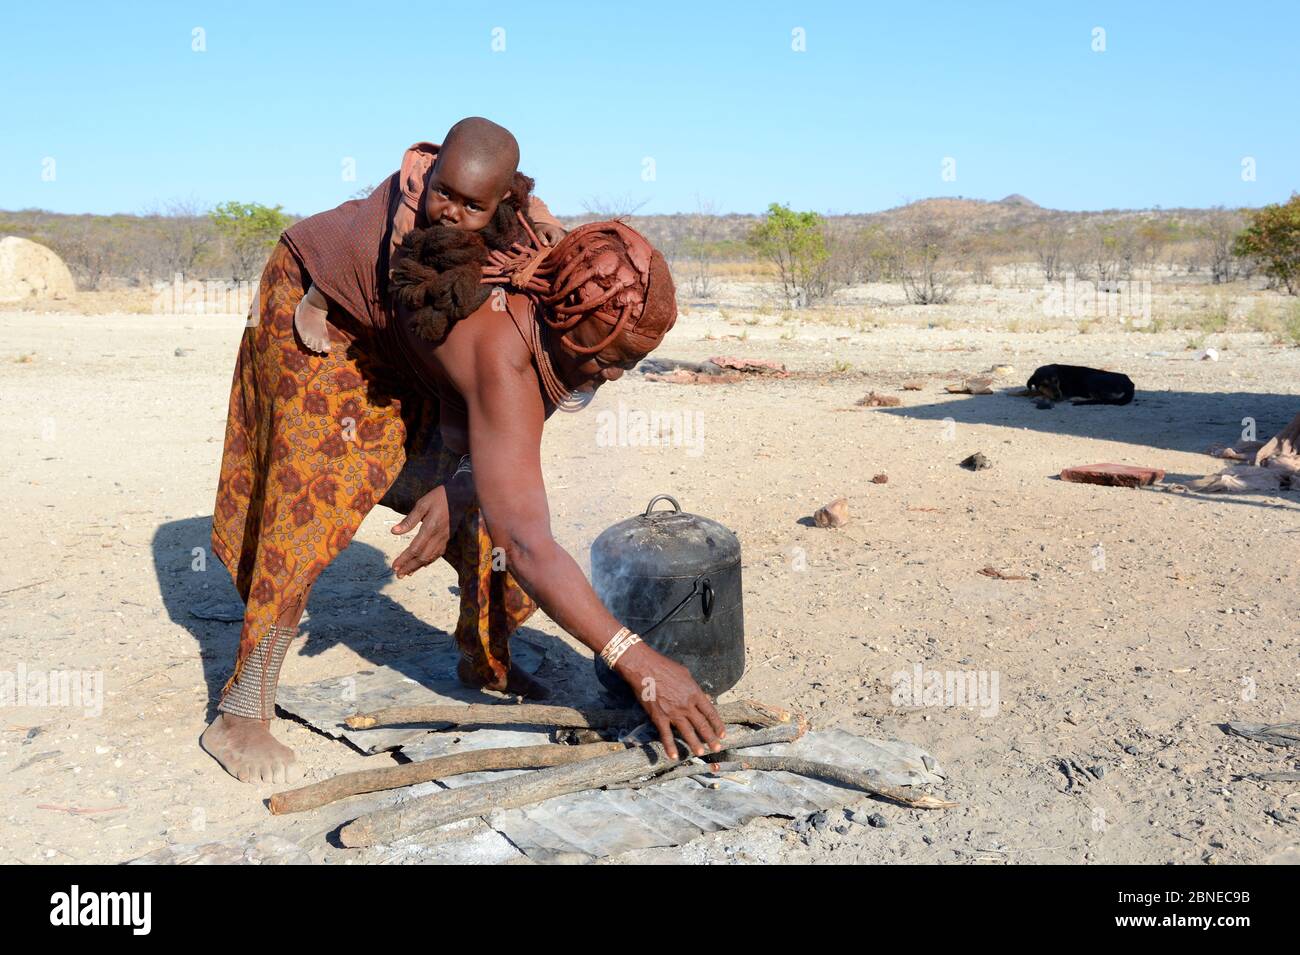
{"x":853,"y":778}
{"x":802,"y":767}
{"x":747,"y":712}
{"x":315,"y":795}
{"x":684,"y":771}
{"x":439,"y":809}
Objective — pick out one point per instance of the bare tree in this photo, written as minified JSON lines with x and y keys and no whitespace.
{"x":183,"y":236}
{"x":88,"y":249}
{"x":1149,"y":240}
{"x":1104,"y":252}
{"x":1049,"y":247}
{"x":857,"y":255}
{"x":700,"y":238}
{"x":1214,"y":240}
{"x":927,"y":256}
{"x":603,"y":208}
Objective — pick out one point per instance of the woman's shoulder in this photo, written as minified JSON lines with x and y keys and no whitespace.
{"x":493,"y":336}
{"x":505,"y":313}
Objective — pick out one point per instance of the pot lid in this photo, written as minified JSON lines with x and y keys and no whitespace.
{"x":664,"y":543}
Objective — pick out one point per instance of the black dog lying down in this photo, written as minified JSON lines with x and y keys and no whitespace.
{"x":1087,"y":386}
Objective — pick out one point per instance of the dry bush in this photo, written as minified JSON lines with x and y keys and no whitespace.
{"x":1103,"y":252}
{"x":700,"y":248}
{"x":927,"y":257}
{"x":1049,"y":248}
{"x":1214,"y":245}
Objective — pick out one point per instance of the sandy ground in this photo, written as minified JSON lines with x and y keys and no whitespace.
{"x":1147,"y":617}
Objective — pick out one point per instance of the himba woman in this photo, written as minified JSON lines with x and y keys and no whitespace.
{"x":431,"y":395}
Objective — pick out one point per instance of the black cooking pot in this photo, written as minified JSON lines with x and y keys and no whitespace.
{"x":674,"y":578}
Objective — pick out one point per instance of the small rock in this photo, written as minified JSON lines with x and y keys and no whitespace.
{"x":877,"y":821}
{"x":971,"y":386}
{"x":875,"y":400}
{"x":1097,"y":771}
{"x":834,"y":514}
{"x":1043,"y":404}
{"x":976,"y":462}
{"x":820,"y":819}
{"x":880,"y":479}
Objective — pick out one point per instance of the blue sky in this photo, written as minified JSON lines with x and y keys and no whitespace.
{"x":711,"y":92}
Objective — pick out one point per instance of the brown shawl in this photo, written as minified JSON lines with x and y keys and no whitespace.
{"x":344,"y":251}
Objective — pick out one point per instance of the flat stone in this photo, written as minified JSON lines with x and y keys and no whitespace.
{"x":1113,"y":475}
{"x":253,"y":849}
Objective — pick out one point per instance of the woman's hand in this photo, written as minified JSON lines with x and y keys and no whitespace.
{"x":431,"y":512}
{"x":673,"y":700}
{"x":550,"y":233}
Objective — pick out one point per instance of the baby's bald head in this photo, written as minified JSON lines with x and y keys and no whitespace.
{"x":480,"y":142}
{"x":475,"y":168}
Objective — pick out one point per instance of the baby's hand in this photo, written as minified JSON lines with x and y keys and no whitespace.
{"x":550,"y":233}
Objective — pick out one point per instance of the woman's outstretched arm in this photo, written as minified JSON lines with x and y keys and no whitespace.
{"x":506,"y":415}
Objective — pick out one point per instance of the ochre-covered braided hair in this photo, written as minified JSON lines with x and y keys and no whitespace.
{"x":601,"y":272}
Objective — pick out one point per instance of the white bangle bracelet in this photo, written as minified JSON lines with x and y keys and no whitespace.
{"x":618,"y":645}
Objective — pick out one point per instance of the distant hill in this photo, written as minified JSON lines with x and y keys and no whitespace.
{"x":1010,"y":215}
{"x":139,"y":249}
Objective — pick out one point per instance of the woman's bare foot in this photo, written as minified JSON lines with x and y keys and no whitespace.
{"x":248,"y":751}
{"x":518,"y":682}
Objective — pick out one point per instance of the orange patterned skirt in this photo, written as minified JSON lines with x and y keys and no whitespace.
{"x":312,"y":443}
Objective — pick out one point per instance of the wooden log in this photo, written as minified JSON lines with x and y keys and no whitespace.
{"x":746,"y":712}
{"x":439,"y":809}
{"x":725,"y":763}
{"x":315,"y":795}
{"x":853,"y":778}
{"x":1113,"y":475}
{"x":685,"y":771}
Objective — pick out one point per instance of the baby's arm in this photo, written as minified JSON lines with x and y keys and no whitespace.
{"x":309,"y":318}
{"x":549,"y":228}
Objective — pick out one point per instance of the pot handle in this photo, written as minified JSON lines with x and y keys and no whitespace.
{"x":702,"y":588}
{"x":662,"y":497}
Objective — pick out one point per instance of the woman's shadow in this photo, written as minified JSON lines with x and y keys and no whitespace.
{"x":350,"y":609}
